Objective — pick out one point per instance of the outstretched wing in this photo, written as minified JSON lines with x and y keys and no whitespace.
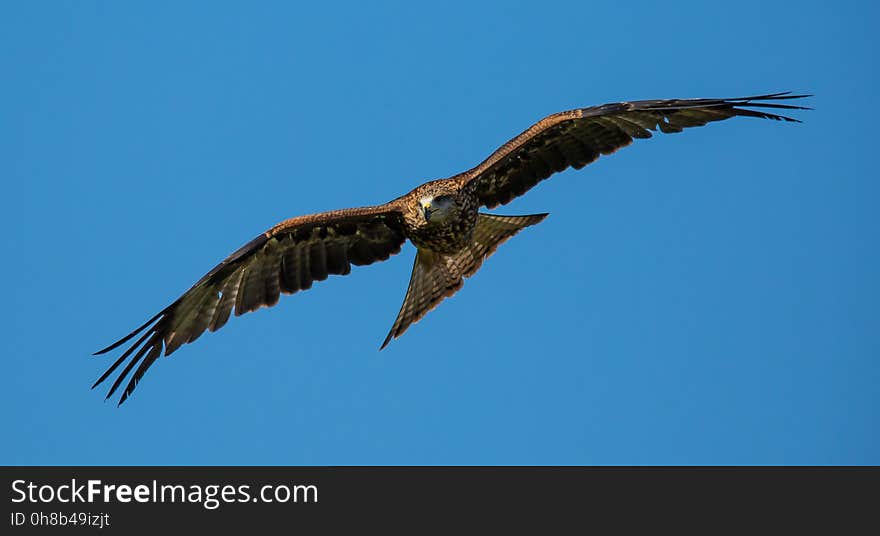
{"x":284,"y":259}
{"x":577,"y":137}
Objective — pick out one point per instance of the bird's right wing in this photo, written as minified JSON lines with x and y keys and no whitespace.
{"x":284,"y":259}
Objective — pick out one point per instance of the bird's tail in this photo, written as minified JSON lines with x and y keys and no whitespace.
{"x":436,"y":276}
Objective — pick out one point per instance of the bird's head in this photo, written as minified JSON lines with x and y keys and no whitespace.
{"x":437,"y":209}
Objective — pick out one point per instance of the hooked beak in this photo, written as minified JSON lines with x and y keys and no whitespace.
{"x":428,"y":211}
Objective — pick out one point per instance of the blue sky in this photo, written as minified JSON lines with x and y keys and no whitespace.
{"x":701,"y":298}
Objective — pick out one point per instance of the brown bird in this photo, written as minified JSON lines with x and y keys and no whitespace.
{"x":440,"y":217}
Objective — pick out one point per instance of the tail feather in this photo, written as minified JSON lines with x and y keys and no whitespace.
{"x":436,"y":276}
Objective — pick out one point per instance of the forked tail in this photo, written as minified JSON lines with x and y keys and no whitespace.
{"x":436,"y":276}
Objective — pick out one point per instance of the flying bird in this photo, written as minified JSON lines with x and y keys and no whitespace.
{"x":441,"y":218}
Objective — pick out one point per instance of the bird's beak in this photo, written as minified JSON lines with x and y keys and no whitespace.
{"x":427,"y":210}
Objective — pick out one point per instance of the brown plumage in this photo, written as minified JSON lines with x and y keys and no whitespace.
{"x":440,"y":217}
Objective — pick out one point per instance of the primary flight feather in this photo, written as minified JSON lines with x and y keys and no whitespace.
{"x":441,"y":218}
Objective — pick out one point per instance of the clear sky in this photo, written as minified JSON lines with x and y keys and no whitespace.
{"x":699,"y":298}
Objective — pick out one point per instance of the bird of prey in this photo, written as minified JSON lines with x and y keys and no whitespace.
{"x":441,"y":218}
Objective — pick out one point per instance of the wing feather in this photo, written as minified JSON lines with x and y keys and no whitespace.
{"x":228,"y":296}
{"x":204,"y":315}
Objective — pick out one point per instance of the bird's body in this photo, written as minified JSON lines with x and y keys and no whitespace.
{"x":441,"y":218}
{"x":447,"y":235}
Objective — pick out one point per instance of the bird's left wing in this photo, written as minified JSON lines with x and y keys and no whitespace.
{"x":577,"y":137}
{"x":285,"y":259}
